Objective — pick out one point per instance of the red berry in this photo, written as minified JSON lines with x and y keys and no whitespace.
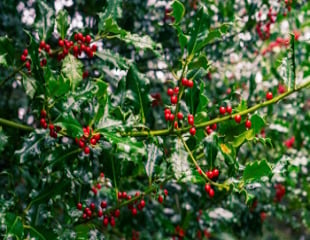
{"x":180,"y":115}
{"x":98,"y":186}
{"x":93,"y":141}
{"x":51,"y":127}
{"x":213,"y":126}
{"x":100,"y":213}
{"x":92,"y":206}
{"x":190,"y":119}
{"x":166,"y":192}
{"x":124,"y":195}
{"x":79,"y":206}
{"x":27,"y":65}
{"x":42,"y":121}
{"x":269,"y":95}
{"x":208,"y":130}
{"x":160,"y":199}
{"x":176,"y":90}
{"x":211,"y":193}
{"x":184,"y":82}
{"x":190,"y":83}
{"x":248,"y":123}
{"x":25,"y":52}
{"x":88,"y":39}
{"x":81,"y":143}
{"x":210,"y":174}
{"x":103,"y":204}
{"x":222,"y":110}
{"x":199,"y":171}
{"x":170,"y":92}
{"x":174,"y":99}
{"x":23,"y":58}
{"x":86,"y":150}
{"x":84,"y":216}
{"x":94,"y":190}
{"x":47,"y":47}
{"x":142,"y":203}
{"x":97,"y":137}
{"x":105,"y":221}
{"x":134,"y":211}
{"x":171,"y":117}
{"x":207,"y":187}
{"x":192,"y":131}
{"x":61,"y":43}
{"x":215,"y":172}
{"x":94,"y":48}
{"x":167,"y":110}
{"x":42,"y":44}
{"x":112,"y":221}
{"x":238,"y":118}
{"x":117,"y":213}
{"x":89,"y":213}
{"x":167,"y":116}
{"x":175,"y":124}
{"x":229,"y":109}
{"x":119,"y":195}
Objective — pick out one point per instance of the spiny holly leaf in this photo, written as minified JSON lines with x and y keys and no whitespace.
{"x":113,"y":9}
{"x":254,"y":171}
{"x":62,"y":22}
{"x":183,"y":39}
{"x":68,"y":123}
{"x":200,"y":62}
{"x":14,"y":226}
{"x":45,"y":20}
{"x":153,"y":154}
{"x":3,"y":139}
{"x":178,"y":11}
{"x":200,"y":112}
{"x":113,"y":59}
{"x":55,"y":87}
{"x":72,"y":70}
{"x":30,"y":85}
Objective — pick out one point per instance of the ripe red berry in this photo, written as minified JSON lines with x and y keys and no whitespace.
{"x":167,"y":116}
{"x":97,"y":137}
{"x":190,"y":119}
{"x":207,"y":187}
{"x":23,"y":58}
{"x":103,"y":204}
{"x":117,"y":212}
{"x":171,"y":117}
{"x":175,"y":124}
{"x":86,"y":150}
{"x":100,"y":213}
{"x":94,"y":48}
{"x":174,"y":99}
{"x":222,"y":110}
{"x":238,"y":118}
{"x":89,"y":213}
{"x":208,"y":130}
{"x":80,"y":36}
{"x":105,"y":221}
{"x":269,"y":95}
{"x":211,"y":193}
{"x":170,"y":92}
{"x":93,"y":141}
{"x":210,"y":174}
{"x":180,"y":115}
{"x":124,"y":195}
{"x":190,"y":83}
{"x":213,"y":126}
{"x":81,"y":143}
{"x":92,"y":206}
{"x":47,"y":47}
{"x":27,"y":65}
{"x":229,"y":109}
{"x":88,"y":39}
{"x":94,"y":190}
{"x":192,"y":131}
{"x":112,"y":221}
{"x":248,"y":123}
{"x":199,"y":171}
{"x":166,"y":192}
{"x":79,"y":206}
{"x":215,"y":172}
{"x":61,"y":43}
{"x":142,"y":203}
{"x":176,"y":90}
{"x":119,"y":195}
{"x":42,"y":121}
{"x":184,"y":82}
{"x":160,"y":199}
{"x":42,"y":44}
{"x":134,"y":211}
{"x":25,"y":52}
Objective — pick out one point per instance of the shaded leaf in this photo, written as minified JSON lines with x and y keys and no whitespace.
{"x":62,"y":22}
{"x":254,"y":171}
{"x":45,"y":20}
{"x":68,"y":122}
{"x":14,"y":226}
{"x":113,"y":59}
{"x":3,"y":139}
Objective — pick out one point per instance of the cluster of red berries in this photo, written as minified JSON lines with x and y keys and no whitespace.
{"x":24,"y":58}
{"x":53,"y":129}
{"x":187,"y":83}
{"x":206,"y":234}
{"x":173,"y":93}
{"x":190,"y":119}
{"x":223,"y":110}
{"x":135,"y":206}
{"x":97,"y":186}
{"x":209,"y":190}
{"x":263,"y":29}
{"x":280,"y":192}
{"x":213,"y":173}
{"x":210,"y":129}
{"x":88,"y":137}
{"x":179,"y":233}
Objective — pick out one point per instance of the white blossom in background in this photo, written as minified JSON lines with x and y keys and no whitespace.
{"x":28,"y":16}
{"x":60,"y":4}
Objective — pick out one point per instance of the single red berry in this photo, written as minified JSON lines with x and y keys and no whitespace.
{"x":79,"y":206}
{"x":23,"y":58}
{"x":213,"y":126}
{"x":93,"y":141}
{"x":248,"y":123}
{"x":117,"y":212}
{"x":167,"y":116}
{"x":27,"y":65}
{"x":215,"y":172}
{"x":171,"y":117}
{"x":81,"y":143}
{"x":175,"y":124}
{"x":86,"y":150}
{"x":222,"y":110}
{"x":51,"y":127}
{"x":45,"y":125}
{"x":89,"y":213}
{"x":94,"y":190}
{"x":142,"y":203}
{"x":112,"y":221}
{"x":238,"y":118}
{"x":61,"y":43}
{"x":97,"y":137}
{"x":180,"y":115}
{"x":124,"y":195}
{"x":210,"y":174}
{"x":174,"y":99}
{"x":170,"y":92}
{"x":47,"y":47}
{"x":176,"y":90}
{"x":88,"y":39}
{"x":80,"y":36}
{"x":167,"y":110}
{"x":166,"y":192}
{"x":92,"y":206}
{"x":98,"y":186}
{"x":25,"y":52}
{"x":207,"y":187}
{"x":229,"y":109}
{"x":192,"y":131}
{"x":100,"y":213}
{"x":105,"y":221}
{"x":42,"y":44}
{"x":103,"y":204}
{"x":190,"y":119}
{"x":94,"y":48}
{"x":190,"y":83}
{"x":269,"y":95}
{"x":184,"y":82}
{"x":160,"y":199}
{"x":208,"y":130}
{"x":134,"y":211}
{"x":211,"y":193}
{"x":119,"y":195}
{"x":84,"y":216}
{"x":42,"y":121}
{"x":199,"y":171}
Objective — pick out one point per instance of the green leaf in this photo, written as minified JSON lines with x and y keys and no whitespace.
{"x":68,"y":122}
{"x":114,"y":9}
{"x":200,"y":62}
{"x":45,"y":20}
{"x":30,"y":85}
{"x":210,"y":150}
{"x":254,"y":171}
{"x":7,"y":50}
{"x":113,"y":59}
{"x":56,"y":87}
{"x":183,"y":39}
{"x":154,"y":153}
{"x":14,"y":226}
{"x":3,"y":140}
{"x":3,"y":60}
{"x":62,"y":22}
{"x":178,"y":11}
{"x":72,"y":70}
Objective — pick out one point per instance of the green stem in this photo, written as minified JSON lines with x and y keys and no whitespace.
{"x":219,"y":185}
{"x":114,"y":178}
{"x":15,"y":125}
{"x":164,"y":132}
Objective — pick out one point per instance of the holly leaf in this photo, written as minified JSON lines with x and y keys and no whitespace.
{"x":178,"y":11}
{"x":62,"y":22}
{"x":113,"y":59}
{"x":30,"y":85}
{"x":14,"y":226}
{"x":45,"y":20}
{"x":3,"y":60}
{"x":254,"y":171}
{"x":72,"y":70}
{"x":154,"y":153}
{"x":69,"y":124}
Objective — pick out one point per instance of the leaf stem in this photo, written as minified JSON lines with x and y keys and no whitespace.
{"x":15,"y":125}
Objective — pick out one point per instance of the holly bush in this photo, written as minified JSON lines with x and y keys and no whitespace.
{"x":155,"y":119}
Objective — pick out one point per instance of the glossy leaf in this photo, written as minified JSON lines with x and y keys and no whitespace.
{"x":3,"y":60}
{"x":72,"y":70}
{"x":254,"y":171}
{"x":30,"y":85}
{"x":69,"y":124}
{"x":14,"y":225}
{"x":45,"y":20}
{"x":178,"y":11}
{"x":62,"y":22}
{"x":114,"y":59}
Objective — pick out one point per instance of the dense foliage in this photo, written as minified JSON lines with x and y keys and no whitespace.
{"x":131,"y":119}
